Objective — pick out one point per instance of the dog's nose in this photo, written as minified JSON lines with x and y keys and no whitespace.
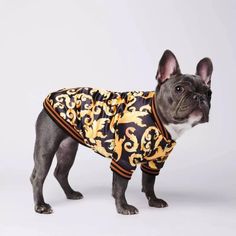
{"x":198,"y":98}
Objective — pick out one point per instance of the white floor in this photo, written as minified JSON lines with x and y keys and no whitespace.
{"x":201,"y":202}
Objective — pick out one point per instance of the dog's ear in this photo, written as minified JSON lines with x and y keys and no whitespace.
{"x":204,"y":70}
{"x":168,"y":66}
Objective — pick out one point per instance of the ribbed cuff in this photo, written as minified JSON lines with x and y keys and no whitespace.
{"x":120,"y":170}
{"x":149,"y":171}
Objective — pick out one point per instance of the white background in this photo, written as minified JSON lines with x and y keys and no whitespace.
{"x":116,"y":45}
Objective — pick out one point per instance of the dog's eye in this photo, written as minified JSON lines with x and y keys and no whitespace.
{"x":179,"y":89}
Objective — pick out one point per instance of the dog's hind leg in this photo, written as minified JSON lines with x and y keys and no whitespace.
{"x":48,"y":139}
{"x":65,"y":158}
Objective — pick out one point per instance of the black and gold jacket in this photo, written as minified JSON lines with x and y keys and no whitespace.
{"x":122,"y":126}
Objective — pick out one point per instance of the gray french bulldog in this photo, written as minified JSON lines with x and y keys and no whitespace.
{"x":131,"y":128}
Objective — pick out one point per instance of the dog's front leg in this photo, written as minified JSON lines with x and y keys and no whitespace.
{"x":119,"y":187}
{"x":148,"y":182}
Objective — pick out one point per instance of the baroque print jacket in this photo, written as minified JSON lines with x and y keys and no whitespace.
{"x":123,"y":126}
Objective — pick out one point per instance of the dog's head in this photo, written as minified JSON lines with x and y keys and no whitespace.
{"x":183,"y":98}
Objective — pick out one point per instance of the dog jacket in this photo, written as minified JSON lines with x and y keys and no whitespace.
{"x":123,"y":126}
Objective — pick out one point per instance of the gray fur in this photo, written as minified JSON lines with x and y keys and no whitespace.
{"x":51,"y":140}
{"x":172,"y":107}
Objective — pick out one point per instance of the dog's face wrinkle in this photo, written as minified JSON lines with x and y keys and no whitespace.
{"x":183,"y":106}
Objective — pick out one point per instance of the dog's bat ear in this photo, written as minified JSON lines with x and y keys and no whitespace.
{"x":204,"y":70}
{"x":168,"y":66}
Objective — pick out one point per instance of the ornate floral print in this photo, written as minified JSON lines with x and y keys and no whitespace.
{"x":122,"y":126}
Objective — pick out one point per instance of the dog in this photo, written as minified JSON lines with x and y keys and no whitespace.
{"x":131,"y":128}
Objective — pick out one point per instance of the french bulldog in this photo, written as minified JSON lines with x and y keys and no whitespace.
{"x":131,"y":128}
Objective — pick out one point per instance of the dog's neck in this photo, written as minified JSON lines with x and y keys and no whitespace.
{"x":176,"y":130}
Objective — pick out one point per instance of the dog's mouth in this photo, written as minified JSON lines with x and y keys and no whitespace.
{"x":194,"y":116}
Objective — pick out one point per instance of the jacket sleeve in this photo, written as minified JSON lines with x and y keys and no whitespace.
{"x":152,"y":167}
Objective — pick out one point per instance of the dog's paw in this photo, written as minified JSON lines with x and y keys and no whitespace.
{"x":127,"y":210}
{"x":43,"y":208}
{"x":74,"y":195}
{"x":159,"y":203}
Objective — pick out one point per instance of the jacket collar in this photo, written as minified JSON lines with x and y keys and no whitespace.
{"x":159,"y":124}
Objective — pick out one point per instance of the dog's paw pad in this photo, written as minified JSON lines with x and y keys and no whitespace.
{"x":127,"y":210}
{"x":43,"y":209}
{"x":75,"y":195}
{"x":159,"y":203}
